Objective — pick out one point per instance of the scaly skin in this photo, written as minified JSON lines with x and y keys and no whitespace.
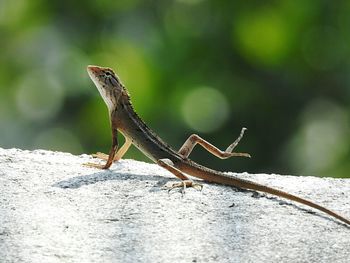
{"x":124,"y":119}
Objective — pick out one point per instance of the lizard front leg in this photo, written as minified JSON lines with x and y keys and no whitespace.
{"x":112,"y":152}
{"x":118,"y":155}
{"x":189,"y":144}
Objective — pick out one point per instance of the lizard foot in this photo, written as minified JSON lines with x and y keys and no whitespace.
{"x":100,"y":155}
{"x":183,"y":185}
{"x":94,"y":165}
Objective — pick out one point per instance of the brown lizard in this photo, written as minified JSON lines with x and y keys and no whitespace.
{"x":124,"y":119}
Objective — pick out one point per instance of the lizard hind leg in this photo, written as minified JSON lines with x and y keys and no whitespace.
{"x":185,"y":181}
{"x":194,"y":139}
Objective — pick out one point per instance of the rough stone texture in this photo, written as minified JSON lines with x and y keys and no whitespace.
{"x":53,"y":209}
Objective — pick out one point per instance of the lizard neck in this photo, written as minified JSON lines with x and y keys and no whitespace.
{"x":132,"y":126}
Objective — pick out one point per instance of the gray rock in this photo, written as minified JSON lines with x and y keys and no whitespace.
{"x":53,"y":209}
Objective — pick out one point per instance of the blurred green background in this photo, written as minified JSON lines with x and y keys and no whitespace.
{"x":279,"y":68}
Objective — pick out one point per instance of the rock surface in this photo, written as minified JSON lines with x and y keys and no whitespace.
{"x":53,"y":209}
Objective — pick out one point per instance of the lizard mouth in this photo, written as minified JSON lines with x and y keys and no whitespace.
{"x":94,"y":72}
{"x":93,"y":69}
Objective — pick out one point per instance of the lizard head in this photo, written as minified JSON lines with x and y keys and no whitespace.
{"x":107,"y":83}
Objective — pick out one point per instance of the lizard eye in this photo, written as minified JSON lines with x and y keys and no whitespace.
{"x":109,"y":77}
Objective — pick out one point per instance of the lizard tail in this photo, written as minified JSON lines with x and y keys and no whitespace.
{"x":270,"y":190}
{"x":221,"y":178}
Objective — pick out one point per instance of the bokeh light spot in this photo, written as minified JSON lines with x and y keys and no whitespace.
{"x":205,"y":109}
{"x":39,"y":46}
{"x":72,"y":69}
{"x":263,"y":37}
{"x":319,"y":144}
{"x":38,"y":97}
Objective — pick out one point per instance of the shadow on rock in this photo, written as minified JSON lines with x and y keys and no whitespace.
{"x":107,"y":175}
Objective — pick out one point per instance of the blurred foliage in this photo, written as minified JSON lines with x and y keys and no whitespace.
{"x":280,"y":68}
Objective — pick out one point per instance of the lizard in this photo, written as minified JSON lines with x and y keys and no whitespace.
{"x":125,"y":120}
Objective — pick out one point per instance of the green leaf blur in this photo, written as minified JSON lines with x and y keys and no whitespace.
{"x":279,"y":68}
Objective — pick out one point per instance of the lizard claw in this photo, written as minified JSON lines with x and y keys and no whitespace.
{"x":183,"y":185}
{"x":98,"y":155}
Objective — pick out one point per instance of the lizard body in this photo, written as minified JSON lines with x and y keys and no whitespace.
{"x":124,"y":119}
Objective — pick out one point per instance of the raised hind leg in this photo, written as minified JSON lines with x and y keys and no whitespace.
{"x":191,"y":142}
